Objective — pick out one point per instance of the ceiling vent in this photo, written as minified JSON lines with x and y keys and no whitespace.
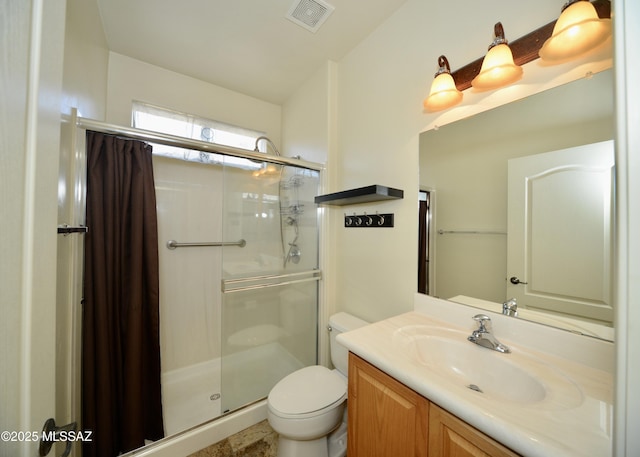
{"x":309,"y":14}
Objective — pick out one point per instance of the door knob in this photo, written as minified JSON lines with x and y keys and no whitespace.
{"x":51,"y":434}
{"x":515,"y":280}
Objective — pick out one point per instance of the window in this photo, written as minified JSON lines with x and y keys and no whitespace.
{"x":149,"y":117}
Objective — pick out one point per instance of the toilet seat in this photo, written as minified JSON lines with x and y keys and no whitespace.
{"x":307,"y":392}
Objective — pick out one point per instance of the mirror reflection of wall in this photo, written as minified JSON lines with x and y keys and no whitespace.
{"x":465,"y":163}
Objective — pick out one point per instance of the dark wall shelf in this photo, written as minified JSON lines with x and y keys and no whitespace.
{"x":361,"y":195}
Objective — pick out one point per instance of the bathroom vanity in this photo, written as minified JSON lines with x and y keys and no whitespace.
{"x":418,"y":387}
{"x":387,"y":418}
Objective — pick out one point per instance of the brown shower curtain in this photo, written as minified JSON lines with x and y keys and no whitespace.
{"x":121,"y":397}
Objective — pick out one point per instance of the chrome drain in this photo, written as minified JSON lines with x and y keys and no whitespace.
{"x":214,"y":397}
{"x":474,"y":387}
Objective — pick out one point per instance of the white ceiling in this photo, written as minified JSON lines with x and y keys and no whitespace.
{"x":247,"y":46}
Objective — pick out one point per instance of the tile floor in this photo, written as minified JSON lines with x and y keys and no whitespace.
{"x":256,"y":441}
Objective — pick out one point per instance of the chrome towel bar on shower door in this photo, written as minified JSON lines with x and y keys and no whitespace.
{"x":471,"y":232}
{"x":260,"y":282}
{"x":172,"y":244}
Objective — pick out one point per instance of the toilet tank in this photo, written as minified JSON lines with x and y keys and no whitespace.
{"x":339,"y":323}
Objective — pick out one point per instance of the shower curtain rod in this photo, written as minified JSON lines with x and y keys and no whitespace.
{"x":181,"y":142}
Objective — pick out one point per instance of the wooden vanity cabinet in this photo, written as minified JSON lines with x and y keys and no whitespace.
{"x":388,"y":419}
{"x":450,"y":436}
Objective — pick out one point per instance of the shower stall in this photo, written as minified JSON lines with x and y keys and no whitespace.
{"x":238,"y":272}
{"x":235,"y":318}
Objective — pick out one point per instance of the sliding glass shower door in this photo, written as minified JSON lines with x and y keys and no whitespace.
{"x":270,"y":277}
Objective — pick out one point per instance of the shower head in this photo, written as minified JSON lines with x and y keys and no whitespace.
{"x":269,"y":142}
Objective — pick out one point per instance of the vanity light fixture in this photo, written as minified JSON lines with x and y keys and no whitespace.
{"x":444,"y":93}
{"x":577,"y":31}
{"x":498,"y":68}
{"x":527,"y":48}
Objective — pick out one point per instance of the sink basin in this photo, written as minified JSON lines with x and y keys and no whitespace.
{"x":478,"y":369}
{"x":491,"y":374}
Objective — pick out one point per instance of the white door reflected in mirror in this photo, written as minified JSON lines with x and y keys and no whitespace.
{"x":559,"y":231}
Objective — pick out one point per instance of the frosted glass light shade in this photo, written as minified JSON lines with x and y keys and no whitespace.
{"x":498,"y":69}
{"x":577,"y":31}
{"x":443,"y":94}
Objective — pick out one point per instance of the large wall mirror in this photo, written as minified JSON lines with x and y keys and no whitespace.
{"x":517,"y":202}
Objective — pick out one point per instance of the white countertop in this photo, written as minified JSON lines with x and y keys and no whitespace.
{"x":578,"y":424}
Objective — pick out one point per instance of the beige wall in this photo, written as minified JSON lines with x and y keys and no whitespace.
{"x":308,"y":116}
{"x":131,"y":79}
{"x":86,"y":58}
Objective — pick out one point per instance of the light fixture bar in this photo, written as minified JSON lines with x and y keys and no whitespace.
{"x":525,"y":49}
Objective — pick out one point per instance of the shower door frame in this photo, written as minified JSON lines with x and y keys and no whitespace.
{"x":197,"y":145}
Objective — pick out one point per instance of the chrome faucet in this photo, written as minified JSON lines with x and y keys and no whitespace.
{"x":483,"y":336}
{"x":510,"y":308}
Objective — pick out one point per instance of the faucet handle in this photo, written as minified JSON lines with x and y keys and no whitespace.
{"x":484,"y":322}
{"x":510,"y":307}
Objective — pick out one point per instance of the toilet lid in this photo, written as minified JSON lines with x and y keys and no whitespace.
{"x":306,"y":390}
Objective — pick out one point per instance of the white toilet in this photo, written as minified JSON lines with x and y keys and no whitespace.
{"x":308,"y":405}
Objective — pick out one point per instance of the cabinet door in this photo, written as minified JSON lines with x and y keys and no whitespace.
{"x":386,"y":418}
{"x":451,"y":437}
